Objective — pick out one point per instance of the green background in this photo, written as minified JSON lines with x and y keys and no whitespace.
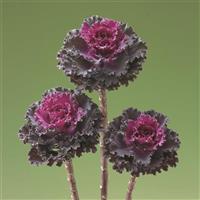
{"x":33,"y":32}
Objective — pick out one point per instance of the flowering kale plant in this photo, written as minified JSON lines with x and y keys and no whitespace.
{"x":63,"y":124}
{"x":102,"y":55}
{"x":141,"y":143}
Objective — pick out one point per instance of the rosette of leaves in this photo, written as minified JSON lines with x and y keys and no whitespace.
{"x":141,"y":143}
{"x":64,"y":124}
{"x":103,"y":53}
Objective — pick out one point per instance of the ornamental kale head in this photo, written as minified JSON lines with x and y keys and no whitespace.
{"x":103,"y":53}
{"x":63,"y":124}
{"x":141,"y":142}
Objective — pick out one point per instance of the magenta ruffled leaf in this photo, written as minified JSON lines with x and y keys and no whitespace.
{"x":141,"y":143}
{"x":64,"y":124}
{"x":103,"y":53}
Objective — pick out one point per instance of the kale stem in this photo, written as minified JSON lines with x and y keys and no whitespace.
{"x":71,"y":180}
{"x":103,"y":160}
{"x":131,"y":186}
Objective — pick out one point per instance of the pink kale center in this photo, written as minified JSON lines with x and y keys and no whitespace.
{"x":144,"y":133}
{"x":104,"y":37}
{"x":59,"y":111}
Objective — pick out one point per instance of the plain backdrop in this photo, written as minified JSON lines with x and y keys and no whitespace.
{"x":33,"y":32}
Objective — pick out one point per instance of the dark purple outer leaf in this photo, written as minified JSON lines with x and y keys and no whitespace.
{"x":125,"y":157}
